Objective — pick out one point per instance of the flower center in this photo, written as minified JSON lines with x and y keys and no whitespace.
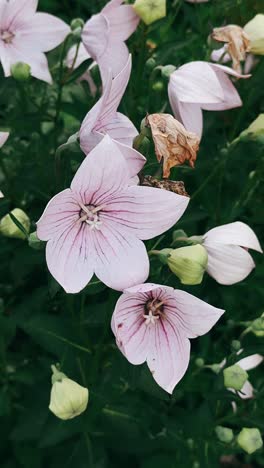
{"x":153,"y":311}
{"x":7,"y":36}
{"x":89,"y":214}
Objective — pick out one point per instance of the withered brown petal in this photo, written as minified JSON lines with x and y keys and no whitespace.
{"x":172,"y":142}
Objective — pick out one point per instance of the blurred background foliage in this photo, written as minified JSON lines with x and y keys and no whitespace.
{"x":130,"y":421}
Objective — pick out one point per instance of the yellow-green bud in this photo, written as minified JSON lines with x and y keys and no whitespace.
{"x":236,"y":345}
{"x":151,"y":63}
{"x":255,"y":130}
{"x":67,"y":399}
{"x":235,"y":377}
{"x":255,"y":31}
{"x":224,"y":434}
{"x":167,"y":70}
{"x":199,"y":362}
{"x":20,"y":71}
{"x":77,"y":23}
{"x":150,"y":10}
{"x":9,"y":229}
{"x":249,"y":439}
{"x":34,"y":242}
{"x":158,"y":86}
{"x":257,"y":326}
{"x":188,"y":263}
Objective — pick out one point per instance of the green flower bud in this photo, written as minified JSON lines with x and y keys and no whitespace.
{"x":150,"y":63}
{"x":158,"y":86}
{"x":8,"y":228}
{"x":235,"y":377}
{"x":20,"y":71}
{"x":236,"y":345}
{"x":199,"y":362}
{"x":188,"y":263}
{"x":249,"y":439}
{"x":190,"y":443}
{"x":34,"y":242}
{"x":167,"y":71}
{"x":68,"y":399}
{"x":145,"y":128}
{"x":150,"y":10}
{"x":255,"y":130}
{"x":224,"y":434}
{"x":257,"y":326}
{"x":77,"y":23}
{"x":255,"y":31}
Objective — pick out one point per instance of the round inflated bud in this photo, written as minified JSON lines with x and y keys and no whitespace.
{"x":20,"y":71}
{"x":235,"y":377}
{"x":249,"y":439}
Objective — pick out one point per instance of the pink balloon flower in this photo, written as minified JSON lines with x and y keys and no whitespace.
{"x":228,"y":259}
{"x":98,"y":224}
{"x":198,"y":86}
{"x":25,"y":35}
{"x":153,"y":324}
{"x":104,"y":36}
{"x":104,"y":119}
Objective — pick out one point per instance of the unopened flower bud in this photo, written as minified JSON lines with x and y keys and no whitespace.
{"x":255,"y":31}
{"x":68,"y":399}
{"x":249,"y":439}
{"x":150,"y":11}
{"x":255,"y":131}
{"x":257,"y":326}
{"x":150,"y":63}
{"x":158,"y":86}
{"x":188,"y":263}
{"x":77,"y":23}
{"x":235,"y":377}
{"x":199,"y":362}
{"x":34,"y":242}
{"x":224,"y":434}
{"x":20,"y":71}
{"x":8,"y":227}
{"x":236,"y":345}
{"x":167,"y":71}
{"x":145,"y":128}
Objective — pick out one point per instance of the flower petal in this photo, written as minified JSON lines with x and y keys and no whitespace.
{"x":247,"y":391}
{"x":189,"y":114}
{"x":101,"y":174}
{"x":16,"y":52}
{"x":197,"y":83}
{"x":193,"y":316}
{"x":70,"y":257}
{"x":123,"y":21}
{"x":120,"y":128}
{"x":95,"y":35}
{"x":147,"y":212}
{"x":43,"y":32}
{"x":121,"y":259}
{"x":236,"y":233}
{"x":61,"y":212}
{"x":81,"y":56}
{"x":15,"y":12}
{"x":168,"y":354}
{"x":250,"y":362}
{"x":3,"y":138}
{"x":128,"y":326}
{"x":228,"y":264}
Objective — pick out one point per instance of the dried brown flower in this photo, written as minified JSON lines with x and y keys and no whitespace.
{"x":172,"y":141}
{"x":237,"y":43}
{"x":175,"y":186}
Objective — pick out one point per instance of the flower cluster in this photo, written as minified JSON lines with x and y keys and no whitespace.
{"x":97,"y":226}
